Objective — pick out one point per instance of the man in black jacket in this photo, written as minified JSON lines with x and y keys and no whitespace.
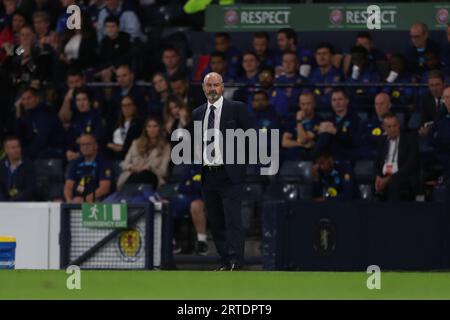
{"x":17,"y":176}
{"x":221,"y":180}
{"x":397,"y":161}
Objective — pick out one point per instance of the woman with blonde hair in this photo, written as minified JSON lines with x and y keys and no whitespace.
{"x":148,"y":158}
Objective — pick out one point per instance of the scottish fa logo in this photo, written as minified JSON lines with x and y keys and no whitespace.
{"x":374,"y":17}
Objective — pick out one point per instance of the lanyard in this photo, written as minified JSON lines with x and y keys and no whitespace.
{"x":394,"y":153}
{"x":12,"y":177}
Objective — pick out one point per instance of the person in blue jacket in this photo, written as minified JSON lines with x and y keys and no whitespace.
{"x":38,"y":127}
{"x":332,"y":180}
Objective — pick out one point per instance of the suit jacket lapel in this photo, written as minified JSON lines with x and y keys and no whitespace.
{"x":224,"y":116}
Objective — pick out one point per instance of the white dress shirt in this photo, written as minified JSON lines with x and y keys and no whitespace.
{"x":391,"y":161}
{"x":218,"y":159}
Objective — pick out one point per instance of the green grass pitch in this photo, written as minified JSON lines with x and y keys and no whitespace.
{"x":178,"y":285}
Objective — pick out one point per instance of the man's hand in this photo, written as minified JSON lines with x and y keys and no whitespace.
{"x":115,"y":147}
{"x":327,"y":127}
{"x":300,"y":115}
{"x":423,"y":131}
{"x":77,"y":200}
{"x":381,"y":183}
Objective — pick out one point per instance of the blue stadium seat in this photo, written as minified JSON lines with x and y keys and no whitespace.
{"x":366,"y":192}
{"x":252,"y":191}
{"x":296,"y":171}
{"x":177,"y":173}
{"x":51,"y":169}
{"x":168,"y":190}
{"x":282,"y":191}
{"x":365,"y":171}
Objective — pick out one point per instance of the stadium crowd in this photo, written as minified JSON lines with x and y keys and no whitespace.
{"x":77,"y":97}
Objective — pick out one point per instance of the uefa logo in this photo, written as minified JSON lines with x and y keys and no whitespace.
{"x":442,"y":16}
{"x":336,"y":16}
{"x":231,"y":17}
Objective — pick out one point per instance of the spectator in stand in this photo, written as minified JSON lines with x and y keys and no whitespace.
{"x":90,"y":176}
{"x":160,"y":91}
{"x":290,"y":77}
{"x":176,"y":115}
{"x":396,"y":163}
{"x":265,"y":117}
{"x":250,"y":64}
{"x":78,"y":45}
{"x":261,"y":46}
{"x":277,"y":98}
{"x":75,"y":80}
{"x":127,"y":130}
{"x":421,"y":43}
{"x":287,"y":42}
{"x":86,"y":120}
{"x":301,"y":135}
{"x":431,"y":106}
{"x":127,"y":87}
{"x":128,"y":19}
{"x":9,"y":35}
{"x":324,"y":73}
{"x":375,"y":56}
{"x":17,"y":176}
{"x":172,"y":62}
{"x":232,"y":54}
{"x":38,"y":128}
{"x":35,"y":63}
{"x":332,"y":180}
{"x":115,"y":49}
{"x":94,"y":8}
{"x":400,"y":95}
{"x":190,"y":94}
{"x":340,"y":135}
{"x":361,"y":72}
{"x":6,"y":16}
{"x":41,"y":24}
{"x":148,"y":159}
{"x":218,"y":63}
{"x":432,"y":62}
{"x":373,"y":128}
{"x":189,"y":202}
{"x":440,"y":137}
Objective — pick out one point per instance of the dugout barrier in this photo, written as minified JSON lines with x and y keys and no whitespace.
{"x":350,"y":236}
{"x":146,"y":243}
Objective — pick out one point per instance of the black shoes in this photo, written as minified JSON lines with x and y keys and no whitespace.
{"x":202,"y":248}
{"x":230,"y":267}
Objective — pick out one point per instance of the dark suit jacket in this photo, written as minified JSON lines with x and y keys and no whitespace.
{"x":428,"y":110}
{"x":408,"y":156}
{"x":234,"y":116}
{"x":25,"y":181}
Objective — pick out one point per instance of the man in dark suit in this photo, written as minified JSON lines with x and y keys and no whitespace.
{"x":431,"y":106}
{"x":221,"y":181}
{"x":397,"y":161}
{"x":17,"y":176}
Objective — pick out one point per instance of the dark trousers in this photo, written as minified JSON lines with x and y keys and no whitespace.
{"x":399,"y":189}
{"x":223,"y":208}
